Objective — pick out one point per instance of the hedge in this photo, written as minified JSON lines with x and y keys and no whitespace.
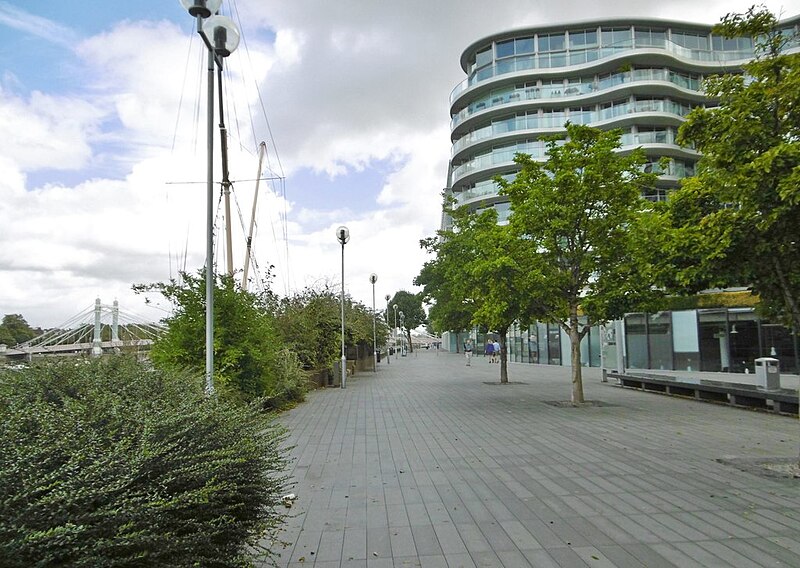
{"x":109,"y":463}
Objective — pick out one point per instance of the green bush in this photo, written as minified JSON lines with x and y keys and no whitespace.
{"x":108,"y":463}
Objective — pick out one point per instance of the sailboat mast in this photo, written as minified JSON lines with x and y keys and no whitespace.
{"x":262,"y":149}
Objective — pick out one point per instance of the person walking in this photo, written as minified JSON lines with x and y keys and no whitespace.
{"x":468,"y":348}
{"x":489,"y":351}
{"x":496,"y":352}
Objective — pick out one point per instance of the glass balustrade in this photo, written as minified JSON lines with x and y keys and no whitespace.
{"x":581,"y":57}
{"x":577,"y":89}
{"x":558,"y":118}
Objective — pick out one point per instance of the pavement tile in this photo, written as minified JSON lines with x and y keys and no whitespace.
{"x":425,"y":464}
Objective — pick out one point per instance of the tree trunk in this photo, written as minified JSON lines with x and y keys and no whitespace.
{"x":503,"y":356}
{"x":458,"y":342}
{"x":577,"y":378}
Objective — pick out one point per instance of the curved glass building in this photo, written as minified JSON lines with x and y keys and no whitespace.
{"x":642,"y":76}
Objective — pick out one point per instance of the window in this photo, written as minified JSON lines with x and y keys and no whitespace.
{"x":583,"y":39}
{"x":690,"y":40}
{"x":551,"y":42}
{"x":720,"y":43}
{"x":504,"y":48}
{"x":483,"y":57}
{"x":615,"y":38}
{"x":523,"y":45}
{"x":650,"y":37}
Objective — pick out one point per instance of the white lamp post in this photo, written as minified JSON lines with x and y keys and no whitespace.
{"x":388,"y":356}
{"x":343,"y":235}
{"x":402,"y":335}
{"x":221,"y":38}
{"x":394,"y":332}
{"x":374,"y":278}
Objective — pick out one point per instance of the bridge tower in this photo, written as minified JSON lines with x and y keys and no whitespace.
{"x":97,"y":348}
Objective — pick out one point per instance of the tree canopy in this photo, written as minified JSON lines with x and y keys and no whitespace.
{"x":413,"y":312}
{"x":736,"y":222}
{"x":574,"y":220}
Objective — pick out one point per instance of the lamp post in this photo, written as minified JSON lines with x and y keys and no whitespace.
{"x":374,"y":278}
{"x":394,"y":332}
{"x":343,"y":235}
{"x":402,"y":335}
{"x":388,"y":356}
{"x":221,"y":38}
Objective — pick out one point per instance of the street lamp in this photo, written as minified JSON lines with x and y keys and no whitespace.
{"x":221,"y":38}
{"x":394,"y":332}
{"x":388,"y":356}
{"x":343,"y":235}
{"x":374,"y":278}
{"x":403,"y":342}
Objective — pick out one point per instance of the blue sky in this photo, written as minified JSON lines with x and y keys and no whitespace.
{"x":102,"y":108}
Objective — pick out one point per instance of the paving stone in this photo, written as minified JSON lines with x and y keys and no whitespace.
{"x":425,"y":464}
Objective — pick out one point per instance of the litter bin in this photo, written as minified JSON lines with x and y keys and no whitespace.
{"x":768,"y":373}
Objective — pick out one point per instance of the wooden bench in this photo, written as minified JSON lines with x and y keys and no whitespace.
{"x":781,"y":401}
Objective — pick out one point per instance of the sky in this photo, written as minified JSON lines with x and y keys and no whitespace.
{"x":103,"y":119}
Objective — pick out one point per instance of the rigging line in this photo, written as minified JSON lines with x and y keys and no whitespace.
{"x":250,"y":61}
{"x":183,"y":86}
{"x":271,"y":178}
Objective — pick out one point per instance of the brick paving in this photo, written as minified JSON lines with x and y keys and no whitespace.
{"x":424,"y":464}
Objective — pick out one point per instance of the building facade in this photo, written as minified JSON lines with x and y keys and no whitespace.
{"x":642,"y":76}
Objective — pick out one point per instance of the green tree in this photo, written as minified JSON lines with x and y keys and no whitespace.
{"x":475,"y":278}
{"x":736,"y":222}
{"x":575,"y":218}
{"x":246,"y":342}
{"x":413,"y":312}
{"x":310,"y":323}
{"x":15,"y":329}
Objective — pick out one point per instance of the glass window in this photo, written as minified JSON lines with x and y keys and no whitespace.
{"x":636,"y":340}
{"x":659,"y":340}
{"x":583,"y":39}
{"x":484,"y":57}
{"x":720,"y":43}
{"x":553,"y":344}
{"x":690,"y":40}
{"x":551,"y":42}
{"x":685,"y":342}
{"x":504,"y":48}
{"x":650,"y":37}
{"x":744,"y":340}
{"x":615,"y":38}
{"x":523,"y":45}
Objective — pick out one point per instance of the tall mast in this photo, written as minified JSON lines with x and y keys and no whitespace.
{"x":262,"y":149}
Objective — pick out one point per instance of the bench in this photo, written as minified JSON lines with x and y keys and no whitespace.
{"x":782,"y":401}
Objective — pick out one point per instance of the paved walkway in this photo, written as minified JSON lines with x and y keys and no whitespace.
{"x":425,"y":464}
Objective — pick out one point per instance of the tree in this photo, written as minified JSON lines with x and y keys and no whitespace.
{"x":574,"y":218}
{"x":246,"y":341}
{"x":736,"y":222}
{"x":310,"y":323}
{"x":475,"y":278}
{"x":15,"y":329}
{"x":413,"y":312}
{"x":442,"y":281}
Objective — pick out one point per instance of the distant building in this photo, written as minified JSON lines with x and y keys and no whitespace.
{"x":642,"y":76}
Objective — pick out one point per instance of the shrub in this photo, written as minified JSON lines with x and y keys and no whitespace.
{"x":108,"y":463}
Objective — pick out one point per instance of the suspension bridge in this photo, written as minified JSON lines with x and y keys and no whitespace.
{"x":94,"y":331}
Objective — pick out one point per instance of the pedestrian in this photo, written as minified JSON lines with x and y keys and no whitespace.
{"x":468,"y":347}
{"x":489,"y":351}
{"x":496,"y":351}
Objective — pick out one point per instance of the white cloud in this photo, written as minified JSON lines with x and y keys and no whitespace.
{"x":345,"y":84}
